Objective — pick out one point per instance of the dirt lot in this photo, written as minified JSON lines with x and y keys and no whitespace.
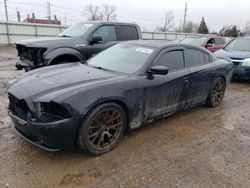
{"x":204,"y":147}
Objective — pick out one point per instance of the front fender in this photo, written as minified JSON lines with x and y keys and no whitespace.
{"x":50,"y":57}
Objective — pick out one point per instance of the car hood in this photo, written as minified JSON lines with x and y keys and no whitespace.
{"x":47,"y":42}
{"x":45,"y":84}
{"x":232,"y":54}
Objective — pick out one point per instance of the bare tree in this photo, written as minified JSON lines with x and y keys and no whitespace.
{"x":96,"y":13}
{"x":191,"y":27}
{"x":168,"y":22}
{"x":108,"y":12}
{"x":93,"y":12}
{"x":246,"y":30}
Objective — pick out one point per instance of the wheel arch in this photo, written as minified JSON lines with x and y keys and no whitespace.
{"x":60,"y":52}
{"x":67,"y":57}
{"x":117,"y":101}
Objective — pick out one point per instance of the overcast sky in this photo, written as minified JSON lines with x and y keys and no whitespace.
{"x":148,"y":14}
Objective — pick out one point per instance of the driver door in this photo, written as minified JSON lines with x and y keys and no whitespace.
{"x":167,"y":93}
{"x":109,"y":38}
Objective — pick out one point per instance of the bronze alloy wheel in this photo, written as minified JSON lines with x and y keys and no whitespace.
{"x":105,"y":129}
{"x":102,"y":129}
{"x":217,"y":92}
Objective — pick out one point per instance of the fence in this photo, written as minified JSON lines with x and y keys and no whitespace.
{"x":11,"y":32}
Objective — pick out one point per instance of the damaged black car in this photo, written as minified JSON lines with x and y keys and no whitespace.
{"x":93,"y":104}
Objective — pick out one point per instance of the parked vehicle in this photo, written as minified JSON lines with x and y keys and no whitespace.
{"x":120,"y":89}
{"x":238,"y":51}
{"x":77,"y":43}
{"x":212,"y":43}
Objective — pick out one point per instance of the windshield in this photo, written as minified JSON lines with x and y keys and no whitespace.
{"x":77,"y":30}
{"x":194,"y":41}
{"x":241,"y":44}
{"x":125,"y":58}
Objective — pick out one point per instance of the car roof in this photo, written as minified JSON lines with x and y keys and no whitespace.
{"x":152,"y":43}
{"x":159,"y":43}
{"x":107,"y":22}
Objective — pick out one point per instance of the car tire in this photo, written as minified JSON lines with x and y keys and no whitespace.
{"x":102,"y":129}
{"x":216,"y":93}
{"x":27,"y":69}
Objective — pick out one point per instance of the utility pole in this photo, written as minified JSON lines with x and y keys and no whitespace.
{"x":49,"y":12}
{"x":180,"y":26}
{"x":65,"y":18}
{"x":18,"y":16}
{"x":6,"y":10}
{"x":185,"y":17}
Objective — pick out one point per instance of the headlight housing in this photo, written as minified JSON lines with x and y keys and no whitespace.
{"x":51,"y":111}
{"x":246,"y":62}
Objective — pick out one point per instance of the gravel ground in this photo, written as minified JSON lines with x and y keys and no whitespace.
{"x":203,"y":147}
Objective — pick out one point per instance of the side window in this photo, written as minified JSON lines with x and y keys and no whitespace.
{"x":195,"y":57}
{"x":128,"y":32}
{"x":211,"y":41}
{"x":219,"y":41}
{"x":174,"y":60}
{"x":107,"y":32}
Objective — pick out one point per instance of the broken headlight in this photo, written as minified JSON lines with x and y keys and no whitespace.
{"x":51,"y":110}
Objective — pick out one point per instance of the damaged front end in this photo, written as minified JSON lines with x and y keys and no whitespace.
{"x":29,"y":57}
{"x":49,"y":125}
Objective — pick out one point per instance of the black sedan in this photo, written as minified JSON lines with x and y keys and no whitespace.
{"x":92,"y":104}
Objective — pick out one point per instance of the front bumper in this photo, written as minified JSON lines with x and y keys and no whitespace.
{"x":53,"y":136}
{"x":25,"y":63}
{"x":241,"y":73}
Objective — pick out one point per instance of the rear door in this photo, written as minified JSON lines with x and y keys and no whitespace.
{"x":201,"y":75}
{"x":109,"y":38}
{"x":167,"y":93}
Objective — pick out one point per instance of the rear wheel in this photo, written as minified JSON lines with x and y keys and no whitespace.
{"x":216,"y":93}
{"x":102,"y":129}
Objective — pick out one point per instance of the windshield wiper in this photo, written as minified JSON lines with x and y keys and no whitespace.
{"x":97,"y":67}
{"x":64,"y":36}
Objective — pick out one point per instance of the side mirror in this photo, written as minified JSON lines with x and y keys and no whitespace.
{"x":209,"y":45}
{"x":95,"y":39}
{"x":160,"y":70}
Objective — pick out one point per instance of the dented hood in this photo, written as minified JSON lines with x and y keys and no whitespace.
{"x":49,"y":82}
{"x":48,"y":41}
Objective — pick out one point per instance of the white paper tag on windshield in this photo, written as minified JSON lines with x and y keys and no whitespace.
{"x":144,"y":50}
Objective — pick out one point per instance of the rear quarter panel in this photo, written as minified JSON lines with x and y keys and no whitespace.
{"x":224,"y":69}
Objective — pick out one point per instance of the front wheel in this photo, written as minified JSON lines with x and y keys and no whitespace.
{"x":216,"y":93}
{"x":102,"y":129}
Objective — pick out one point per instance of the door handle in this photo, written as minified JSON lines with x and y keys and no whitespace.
{"x":186,"y":79}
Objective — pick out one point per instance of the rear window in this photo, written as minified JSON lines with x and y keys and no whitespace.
{"x":219,"y":41}
{"x":197,"y":57}
{"x":206,"y":57}
{"x":128,"y":32}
